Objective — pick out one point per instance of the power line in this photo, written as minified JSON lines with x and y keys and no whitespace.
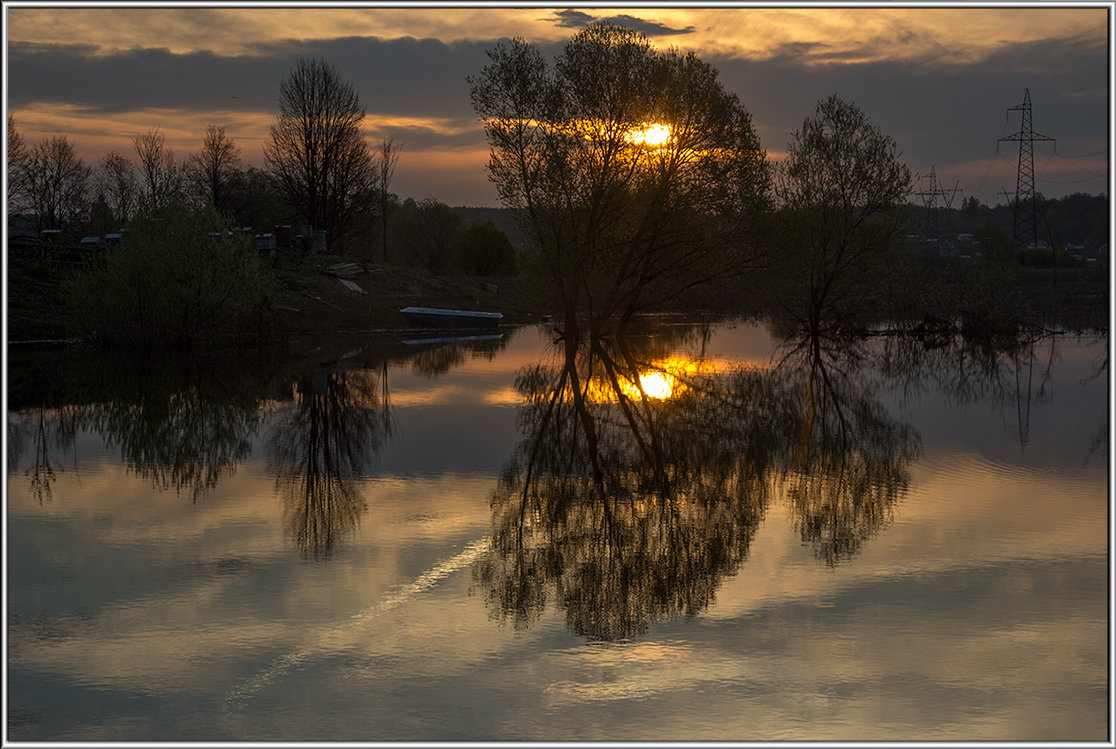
{"x":1084,"y":155}
{"x":987,"y":170}
{"x":1075,"y":181}
{"x":1078,"y":166}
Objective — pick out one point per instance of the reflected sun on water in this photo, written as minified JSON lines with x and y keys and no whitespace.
{"x":659,"y":380}
{"x":657,"y":385}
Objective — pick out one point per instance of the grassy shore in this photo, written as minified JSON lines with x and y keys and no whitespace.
{"x":309,"y":299}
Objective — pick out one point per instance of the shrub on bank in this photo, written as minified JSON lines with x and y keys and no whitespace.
{"x":484,"y":249}
{"x":179,"y":278}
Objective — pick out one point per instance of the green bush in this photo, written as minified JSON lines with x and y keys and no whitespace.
{"x":179,"y":278}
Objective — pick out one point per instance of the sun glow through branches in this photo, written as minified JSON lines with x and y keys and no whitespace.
{"x":653,"y":135}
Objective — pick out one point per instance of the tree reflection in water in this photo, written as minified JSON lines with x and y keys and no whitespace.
{"x":45,"y":431}
{"x":625,"y":525}
{"x":628,"y":504}
{"x":184,"y":442}
{"x":182,"y":422}
{"x":325,"y":439}
{"x":849,"y":464}
{"x":330,"y":434}
{"x":1008,"y":372}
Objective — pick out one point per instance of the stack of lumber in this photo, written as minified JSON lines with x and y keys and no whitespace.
{"x":344,"y":270}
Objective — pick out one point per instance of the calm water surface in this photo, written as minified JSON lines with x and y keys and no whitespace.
{"x":701,"y":533}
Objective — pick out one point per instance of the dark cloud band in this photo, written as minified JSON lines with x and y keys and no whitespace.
{"x":576,"y":19}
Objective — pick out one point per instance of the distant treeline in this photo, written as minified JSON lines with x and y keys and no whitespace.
{"x":1076,"y":222}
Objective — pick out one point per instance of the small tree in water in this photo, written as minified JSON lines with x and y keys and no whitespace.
{"x":633,"y":172}
{"x":841,"y":189}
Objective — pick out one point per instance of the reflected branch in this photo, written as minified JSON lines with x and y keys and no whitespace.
{"x":599,"y":512}
{"x":326,"y":439}
{"x":850,"y":462}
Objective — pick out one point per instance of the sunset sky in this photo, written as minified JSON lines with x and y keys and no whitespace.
{"x":940,"y":80}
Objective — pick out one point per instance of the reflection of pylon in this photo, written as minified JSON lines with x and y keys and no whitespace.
{"x":930,"y":197}
{"x":1026,"y":208}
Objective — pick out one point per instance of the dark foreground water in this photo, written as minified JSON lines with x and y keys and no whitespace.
{"x":702,"y":533}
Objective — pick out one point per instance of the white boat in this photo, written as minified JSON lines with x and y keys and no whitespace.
{"x":452,"y":318}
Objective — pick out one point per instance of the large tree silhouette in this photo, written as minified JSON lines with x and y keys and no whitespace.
{"x":317,"y":151}
{"x":633,"y":171}
{"x":841,"y":190}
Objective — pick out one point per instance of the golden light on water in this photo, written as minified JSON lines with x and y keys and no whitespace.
{"x":658,"y":385}
{"x":660,"y":380}
{"x":655,"y":384}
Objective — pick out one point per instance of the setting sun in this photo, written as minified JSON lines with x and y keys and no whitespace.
{"x":654,"y":135}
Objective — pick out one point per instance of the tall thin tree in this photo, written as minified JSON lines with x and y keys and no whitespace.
{"x":119,"y":186}
{"x":162,"y":175}
{"x":58,"y":181}
{"x":210,"y":173}
{"x":19,"y":160}
{"x":385,"y":168}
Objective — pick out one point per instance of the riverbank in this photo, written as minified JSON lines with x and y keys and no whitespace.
{"x":326,"y":292}
{"x":332,"y":293}
{"x":314,"y":293}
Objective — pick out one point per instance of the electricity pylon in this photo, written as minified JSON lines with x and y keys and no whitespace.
{"x":930,"y":197}
{"x":1026,"y":208}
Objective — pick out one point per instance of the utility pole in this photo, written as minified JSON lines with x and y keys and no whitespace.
{"x":1026,"y":208}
